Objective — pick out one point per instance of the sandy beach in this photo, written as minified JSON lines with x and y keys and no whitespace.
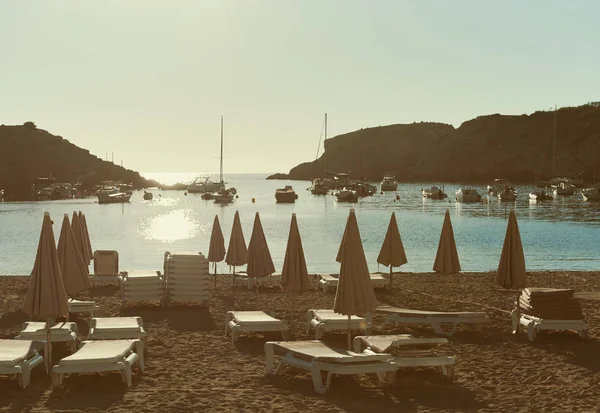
{"x":192,"y":366}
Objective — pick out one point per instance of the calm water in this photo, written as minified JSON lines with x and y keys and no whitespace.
{"x":557,"y":235}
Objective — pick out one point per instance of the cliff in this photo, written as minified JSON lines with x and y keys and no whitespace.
{"x":519,"y":148}
{"x":27,"y":153}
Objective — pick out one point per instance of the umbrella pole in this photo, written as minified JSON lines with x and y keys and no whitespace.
{"x":215,"y":276}
{"x":291,"y":316}
{"x":391,"y":275}
{"x":349,"y":334}
{"x":48,"y":348}
{"x":518,"y":309}
{"x":256,"y":282}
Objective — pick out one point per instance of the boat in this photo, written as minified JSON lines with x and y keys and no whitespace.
{"x":564,"y":188}
{"x":223,"y":197}
{"x":199,"y":186}
{"x":540,"y":196}
{"x":591,"y":194}
{"x":498,"y":186}
{"x":346,"y":195}
{"x":433,"y":193}
{"x":467,"y":195}
{"x":207,"y":196}
{"x":286,"y":195}
{"x":507,"y":194}
{"x":112,"y":195}
{"x":148,"y":196}
{"x":364,"y":189}
{"x":389,"y":183}
{"x":319,"y":187}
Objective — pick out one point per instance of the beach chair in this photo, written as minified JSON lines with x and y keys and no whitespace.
{"x":317,"y":358}
{"x":102,"y":356}
{"x":328,"y":281}
{"x":142,"y":286}
{"x":106,"y":266}
{"x":532,"y":324}
{"x":237,"y":322}
{"x":408,"y":351}
{"x":18,"y":358}
{"x":59,"y":333}
{"x":77,"y":306}
{"x":187,"y":278}
{"x":328,"y":320}
{"x":117,"y":328}
{"x":436,"y":319}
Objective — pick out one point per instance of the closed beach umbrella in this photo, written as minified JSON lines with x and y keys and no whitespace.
{"x":216,"y":249}
{"x":354,"y":294}
{"x":392,"y":251}
{"x":86,"y":237}
{"x":294,"y":275}
{"x":75,"y":273}
{"x":446,"y":259}
{"x":511,"y":269}
{"x":78,"y":232}
{"x":46,"y":297}
{"x":260,"y":263}
{"x":236,"y":252}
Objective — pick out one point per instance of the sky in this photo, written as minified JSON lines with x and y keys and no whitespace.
{"x":149,"y":80}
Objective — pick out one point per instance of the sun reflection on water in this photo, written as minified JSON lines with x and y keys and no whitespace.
{"x":171,"y":226}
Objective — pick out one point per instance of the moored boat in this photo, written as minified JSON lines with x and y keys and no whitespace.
{"x":223,"y":197}
{"x":346,"y":195}
{"x":591,"y":194}
{"x":507,"y":194}
{"x":467,"y":195}
{"x":148,"y":196}
{"x":433,"y":193}
{"x":540,"y":196}
{"x":389,"y":183}
{"x":564,"y":189}
{"x":286,"y":195}
{"x":199,"y":187}
{"x":112,"y":196}
{"x":319,"y":187}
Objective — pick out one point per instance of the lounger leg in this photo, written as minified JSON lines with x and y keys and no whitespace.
{"x":73,"y":346}
{"x":531,"y":333}
{"x":318,"y":333}
{"x":317,"y":380}
{"x":514,"y":317}
{"x":285,"y":334}
{"x":269,"y":358}
{"x":448,"y":371}
{"x":583,"y":334}
{"x":234,"y":336}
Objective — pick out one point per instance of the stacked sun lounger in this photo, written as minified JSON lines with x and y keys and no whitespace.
{"x":329,"y":282}
{"x":142,"y":286}
{"x":187,"y":277}
{"x":549,"y":309}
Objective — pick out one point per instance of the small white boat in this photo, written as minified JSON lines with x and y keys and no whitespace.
{"x":346,"y":195}
{"x":467,"y":195}
{"x":319,"y":187}
{"x":286,"y":195}
{"x":433,"y":193}
{"x":389,"y":183}
{"x":591,"y":194}
{"x":223,"y":197}
{"x":112,"y":196}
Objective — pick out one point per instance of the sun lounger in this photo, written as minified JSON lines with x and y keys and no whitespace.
{"x":408,"y":351}
{"x":328,"y":281}
{"x":77,"y":306}
{"x":142,"y":286}
{"x":187,"y":278}
{"x":59,"y":333}
{"x":268,"y":281}
{"x":106,"y":266}
{"x":533,"y":324}
{"x":18,"y":358}
{"x":436,"y":319}
{"x":116,"y":328}
{"x":237,"y":322}
{"x":317,"y":358}
{"x":328,"y":320}
{"x":101,"y":356}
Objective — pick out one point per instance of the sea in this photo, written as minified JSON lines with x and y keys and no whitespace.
{"x":563,"y":234}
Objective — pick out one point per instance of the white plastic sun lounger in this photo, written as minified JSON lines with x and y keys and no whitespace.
{"x":408,"y":351}
{"x":317,"y":357}
{"x":268,"y":281}
{"x":101,"y":356}
{"x":18,"y":358}
{"x":436,"y":319}
{"x":328,"y":281}
{"x":59,"y":333}
{"x":237,"y":322}
{"x":106,"y":266}
{"x":328,"y":320}
{"x":533,"y":324}
{"x":77,"y":306}
{"x":116,"y":328}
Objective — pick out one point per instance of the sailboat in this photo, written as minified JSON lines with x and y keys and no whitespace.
{"x":319,"y":186}
{"x":223,"y":196}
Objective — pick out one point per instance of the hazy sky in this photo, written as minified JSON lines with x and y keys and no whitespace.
{"x":150,"y":79}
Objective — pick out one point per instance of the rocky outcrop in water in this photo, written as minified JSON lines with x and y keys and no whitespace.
{"x":518,"y":148}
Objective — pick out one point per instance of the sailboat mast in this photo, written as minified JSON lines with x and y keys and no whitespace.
{"x":221,"y":163}
{"x":324,"y":152}
{"x":593,"y":159}
{"x":554,"y":144}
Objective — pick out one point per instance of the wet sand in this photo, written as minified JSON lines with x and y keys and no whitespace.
{"x":192,"y":366}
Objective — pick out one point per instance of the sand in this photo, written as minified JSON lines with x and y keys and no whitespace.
{"x":191,"y":366}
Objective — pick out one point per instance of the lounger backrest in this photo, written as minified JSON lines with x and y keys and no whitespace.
{"x":106,"y":262}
